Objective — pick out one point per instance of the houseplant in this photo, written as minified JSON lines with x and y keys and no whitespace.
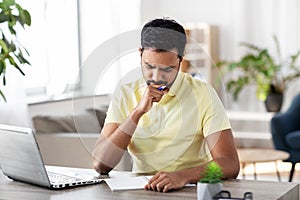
{"x":11,"y":51}
{"x":269,"y":73}
{"x":211,"y":182}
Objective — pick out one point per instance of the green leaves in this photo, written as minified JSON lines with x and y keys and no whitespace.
{"x":24,"y":16}
{"x":11,"y":52}
{"x":259,"y":67}
{"x":5,"y":4}
{"x":2,"y":95}
{"x":13,"y":13}
{"x":262,"y":87}
{"x":293,"y":60}
{"x":2,"y":71}
{"x":237,"y":85}
{"x":212,"y":174}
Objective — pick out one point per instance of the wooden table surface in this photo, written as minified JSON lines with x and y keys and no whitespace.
{"x":261,"y":190}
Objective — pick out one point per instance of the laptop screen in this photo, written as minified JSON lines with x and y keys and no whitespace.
{"x":20,"y":158}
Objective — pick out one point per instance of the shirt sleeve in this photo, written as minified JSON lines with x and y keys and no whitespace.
{"x":214,"y":116}
{"x":115,"y":113}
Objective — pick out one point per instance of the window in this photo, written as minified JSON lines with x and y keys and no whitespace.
{"x":52,"y":41}
{"x":62,"y":36}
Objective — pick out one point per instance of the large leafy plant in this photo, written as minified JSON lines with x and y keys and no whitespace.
{"x":212,"y":174}
{"x":11,"y":51}
{"x":269,"y":73}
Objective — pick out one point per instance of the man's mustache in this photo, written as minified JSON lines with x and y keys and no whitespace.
{"x":156,"y":83}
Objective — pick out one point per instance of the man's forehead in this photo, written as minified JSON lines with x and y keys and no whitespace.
{"x":159,"y":63}
{"x":155,"y":50}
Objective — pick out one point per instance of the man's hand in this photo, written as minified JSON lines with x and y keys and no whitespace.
{"x":152,"y":94}
{"x":165,"y":181}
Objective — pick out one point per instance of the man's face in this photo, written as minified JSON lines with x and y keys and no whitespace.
{"x":160,"y":67}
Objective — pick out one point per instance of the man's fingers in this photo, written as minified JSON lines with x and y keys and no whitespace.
{"x":167,"y":187}
{"x":158,"y":182}
{"x":154,"y":94}
{"x":156,"y":98}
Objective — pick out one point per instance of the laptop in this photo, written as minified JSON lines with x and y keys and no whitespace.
{"x":21,"y":160}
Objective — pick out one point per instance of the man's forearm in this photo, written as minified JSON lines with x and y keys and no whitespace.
{"x":110,"y":148}
{"x":165,"y":181}
{"x":229,"y":167}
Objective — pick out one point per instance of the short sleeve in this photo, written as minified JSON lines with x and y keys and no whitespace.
{"x":114,"y":111}
{"x":214,"y":116}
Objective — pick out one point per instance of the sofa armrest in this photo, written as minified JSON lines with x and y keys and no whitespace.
{"x":73,"y":150}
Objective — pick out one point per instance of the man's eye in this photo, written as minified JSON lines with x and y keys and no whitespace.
{"x":150,"y":67}
{"x":168,"y":69}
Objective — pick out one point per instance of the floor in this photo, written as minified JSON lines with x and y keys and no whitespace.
{"x":267,"y":172}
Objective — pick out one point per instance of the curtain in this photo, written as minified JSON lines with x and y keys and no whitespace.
{"x":256,"y":22}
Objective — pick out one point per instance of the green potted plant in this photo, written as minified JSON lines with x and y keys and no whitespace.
{"x":270,"y":74}
{"x":210,"y":183}
{"x":11,"y":52}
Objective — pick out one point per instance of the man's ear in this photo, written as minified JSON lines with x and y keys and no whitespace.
{"x":141,"y":51}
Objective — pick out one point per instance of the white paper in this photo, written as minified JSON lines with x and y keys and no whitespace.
{"x":127,"y":183}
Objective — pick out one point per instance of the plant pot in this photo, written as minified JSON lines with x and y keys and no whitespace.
{"x":273,"y":102}
{"x":206,"y":191}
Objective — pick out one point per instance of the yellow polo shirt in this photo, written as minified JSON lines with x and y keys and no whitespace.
{"x":170,"y":137}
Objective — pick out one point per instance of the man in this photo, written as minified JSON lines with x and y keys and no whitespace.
{"x":171,"y":123}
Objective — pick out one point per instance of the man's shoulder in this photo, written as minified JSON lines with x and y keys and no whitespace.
{"x":134,"y":85}
{"x":199,"y":87}
{"x":130,"y":88}
{"x":195,"y":81}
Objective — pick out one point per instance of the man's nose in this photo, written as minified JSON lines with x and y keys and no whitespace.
{"x":156,"y":75}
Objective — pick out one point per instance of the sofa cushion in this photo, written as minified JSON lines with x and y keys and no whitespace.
{"x":79,"y":123}
{"x":100,"y":113}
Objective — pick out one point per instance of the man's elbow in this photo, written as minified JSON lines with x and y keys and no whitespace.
{"x":100,"y":167}
{"x":234,"y":170}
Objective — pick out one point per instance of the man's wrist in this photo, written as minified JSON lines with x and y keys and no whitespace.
{"x":128,"y":126}
{"x":135,"y":115}
{"x":183,"y":176}
{"x":190,"y":175}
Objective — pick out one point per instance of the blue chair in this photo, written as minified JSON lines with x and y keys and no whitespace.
{"x":285,"y":129}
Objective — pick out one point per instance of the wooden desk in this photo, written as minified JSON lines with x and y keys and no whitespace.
{"x":261,"y":190}
{"x":253,"y":156}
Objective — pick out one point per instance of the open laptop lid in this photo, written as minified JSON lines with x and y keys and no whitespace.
{"x":20,"y":158}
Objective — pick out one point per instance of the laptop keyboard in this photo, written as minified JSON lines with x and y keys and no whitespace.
{"x":60,"y":178}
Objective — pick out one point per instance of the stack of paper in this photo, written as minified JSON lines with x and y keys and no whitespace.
{"x":127,"y":183}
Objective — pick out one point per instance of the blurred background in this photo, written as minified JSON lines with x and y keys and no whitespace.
{"x":64,"y":34}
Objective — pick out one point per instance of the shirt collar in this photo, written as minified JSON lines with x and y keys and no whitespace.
{"x":176,"y":85}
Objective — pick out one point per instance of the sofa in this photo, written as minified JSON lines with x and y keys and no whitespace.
{"x":65,"y":137}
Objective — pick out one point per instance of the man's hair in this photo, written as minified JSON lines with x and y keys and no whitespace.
{"x":164,"y":34}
